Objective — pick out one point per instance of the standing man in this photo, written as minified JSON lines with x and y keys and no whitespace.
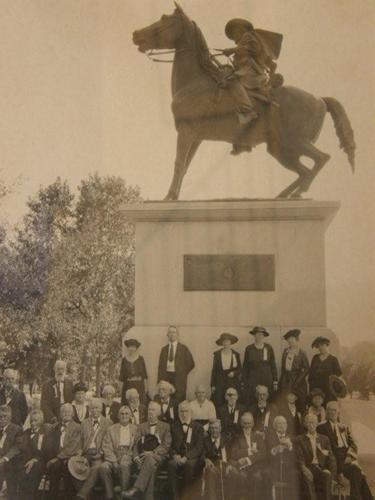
{"x":315,"y":461}
{"x":168,"y":404}
{"x":230,"y":414}
{"x":93,"y":430}
{"x":10,"y":441}
{"x":12,"y":397}
{"x":263,"y":412}
{"x":56,"y":392}
{"x":175,"y":363}
{"x":345,"y":450}
{"x":150,"y":452}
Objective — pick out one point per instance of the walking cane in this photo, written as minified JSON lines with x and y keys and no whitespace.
{"x":221,"y":480}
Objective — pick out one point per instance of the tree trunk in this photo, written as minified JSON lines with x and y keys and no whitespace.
{"x":97,"y":374}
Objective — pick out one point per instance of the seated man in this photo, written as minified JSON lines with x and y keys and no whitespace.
{"x":37,"y":448}
{"x":215,"y":454}
{"x":56,"y":392}
{"x":345,"y":450}
{"x":169,"y":406}
{"x":110,"y":408}
{"x":151,"y":451}
{"x":138,"y":410}
{"x":67,"y":436}
{"x":202,"y":409}
{"x":14,"y":398}
{"x":288,"y":409}
{"x":282,"y":458}
{"x":186,"y":453}
{"x":10,"y":441}
{"x":248,"y":460}
{"x":262,"y":411}
{"x":93,"y":430}
{"x":117,"y":445}
{"x":231,"y":413}
{"x":317,"y":397}
{"x":315,"y":461}
{"x":79,"y":403}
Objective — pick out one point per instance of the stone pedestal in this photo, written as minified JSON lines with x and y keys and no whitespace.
{"x":215,"y":266}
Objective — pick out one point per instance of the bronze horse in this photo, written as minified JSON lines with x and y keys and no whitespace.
{"x":204,"y":110}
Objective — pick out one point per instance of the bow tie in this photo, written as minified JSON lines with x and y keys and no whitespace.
{"x":152,"y":425}
{"x":96,"y":422}
{"x":135,"y":410}
{"x":185,"y":427}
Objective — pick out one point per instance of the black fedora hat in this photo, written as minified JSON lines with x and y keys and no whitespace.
{"x":259,"y":329}
{"x":226,"y":336}
{"x":320,"y":340}
{"x":292,"y":333}
{"x":234,"y":23}
{"x":132,"y":343}
{"x":149,"y":442}
{"x":337,"y":386}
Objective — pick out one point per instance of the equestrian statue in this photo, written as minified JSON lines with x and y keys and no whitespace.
{"x":243,"y":102}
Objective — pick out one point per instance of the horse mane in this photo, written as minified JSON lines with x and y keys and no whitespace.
{"x":199,"y":45}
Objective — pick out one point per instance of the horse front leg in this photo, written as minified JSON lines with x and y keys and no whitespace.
{"x":186,"y":149}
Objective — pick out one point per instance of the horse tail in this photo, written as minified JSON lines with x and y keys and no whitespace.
{"x":343,"y":128}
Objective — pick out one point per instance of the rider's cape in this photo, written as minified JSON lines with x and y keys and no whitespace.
{"x":272,"y":42}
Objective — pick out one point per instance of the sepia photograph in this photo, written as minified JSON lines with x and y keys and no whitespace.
{"x":187,"y":250}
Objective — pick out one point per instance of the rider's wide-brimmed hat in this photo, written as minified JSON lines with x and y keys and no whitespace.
{"x":235,"y":23}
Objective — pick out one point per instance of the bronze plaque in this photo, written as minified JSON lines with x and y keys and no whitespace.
{"x":229,"y":272}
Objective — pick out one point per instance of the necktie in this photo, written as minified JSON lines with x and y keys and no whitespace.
{"x":171,"y":353}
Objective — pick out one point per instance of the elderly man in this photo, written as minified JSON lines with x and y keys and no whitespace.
{"x":10,"y":442}
{"x":14,"y":398}
{"x":37,"y":448}
{"x":186,"y":453}
{"x":110,"y":408}
{"x":93,"y":430}
{"x":282,"y":458}
{"x":118,"y":444}
{"x":262,"y":411}
{"x":231,"y":413}
{"x":151,"y":451}
{"x":67,"y":435}
{"x":175,"y":363}
{"x":288,"y":409}
{"x":315,"y":460}
{"x":168,"y":405}
{"x":345,"y":450}
{"x":55,"y":393}
{"x":202,"y":409}
{"x":215,"y":454}
{"x":139,"y":411}
{"x":248,"y":460}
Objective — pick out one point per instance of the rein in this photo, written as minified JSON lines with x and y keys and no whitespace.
{"x":151,"y":53}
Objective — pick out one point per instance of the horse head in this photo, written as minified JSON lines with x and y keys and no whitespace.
{"x":163,"y":34}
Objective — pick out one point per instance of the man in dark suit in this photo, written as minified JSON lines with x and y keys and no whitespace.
{"x":55,"y":393}
{"x":138,"y":410}
{"x":288,"y":409}
{"x":151,"y":450}
{"x":175,"y":363}
{"x":38,"y":447}
{"x":230,"y":414}
{"x":110,"y":408}
{"x":10,"y":442}
{"x":67,"y":435}
{"x":262,"y":411}
{"x":282,"y":459}
{"x":248,"y":461}
{"x":186,"y":453}
{"x":345,"y":450}
{"x":215,"y":455}
{"x":315,"y":461}
{"x":168,"y":404}
{"x":12,"y":397}
{"x":93,"y":430}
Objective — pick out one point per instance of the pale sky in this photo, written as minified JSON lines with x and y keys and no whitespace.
{"x":77,"y":97}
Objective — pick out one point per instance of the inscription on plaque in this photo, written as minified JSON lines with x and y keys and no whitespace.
{"x":229,"y":273}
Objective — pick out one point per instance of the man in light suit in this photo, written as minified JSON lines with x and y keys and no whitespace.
{"x":68,"y":441}
{"x":175,"y":363}
{"x":14,"y":398}
{"x":149,"y":458}
{"x":117,"y":445}
{"x":55,"y":393}
{"x":315,"y":461}
{"x":10,"y":441}
{"x":93,"y":430}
